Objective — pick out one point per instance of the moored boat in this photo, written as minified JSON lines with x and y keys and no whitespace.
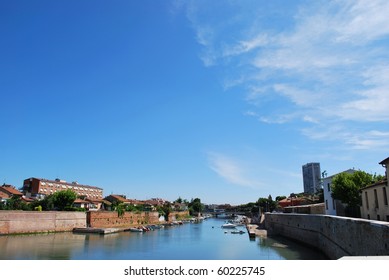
{"x":228,"y":225}
{"x":134,"y":229}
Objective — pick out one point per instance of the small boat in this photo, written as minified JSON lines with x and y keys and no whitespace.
{"x":228,"y":225}
{"x":134,"y":229}
{"x":237,"y":232}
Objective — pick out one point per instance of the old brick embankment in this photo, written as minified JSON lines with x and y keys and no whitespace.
{"x":334,"y":236}
{"x":16,"y":222}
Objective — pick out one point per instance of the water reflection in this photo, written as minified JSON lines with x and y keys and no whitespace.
{"x":40,"y":246}
{"x":203,"y":241}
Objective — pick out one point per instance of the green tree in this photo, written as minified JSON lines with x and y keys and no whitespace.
{"x":15,"y":203}
{"x":267,"y":204}
{"x":346,"y":188}
{"x":165,"y":210}
{"x":63,"y":199}
{"x":120,"y":209}
{"x":281,"y":197}
{"x":195,"y":206}
{"x":45,"y":204}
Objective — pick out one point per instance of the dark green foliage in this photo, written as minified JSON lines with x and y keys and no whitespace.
{"x":14,"y":203}
{"x":195,"y":206}
{"x":63,"y":199}
{"x":346,"y":187}
{"x":267,"y":204}
{"x":165,"y":210}
{"x":120,"y":209}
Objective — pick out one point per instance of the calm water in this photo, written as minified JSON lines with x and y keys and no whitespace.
{"x":201,"y":241}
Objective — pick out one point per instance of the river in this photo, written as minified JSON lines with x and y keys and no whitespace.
{"x":194,"y":241}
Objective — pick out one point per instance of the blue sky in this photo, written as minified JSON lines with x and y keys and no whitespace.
{"x":221,"y":100}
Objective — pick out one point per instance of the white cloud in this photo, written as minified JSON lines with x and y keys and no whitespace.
{"x":279,"y":119}
{"x":364,"y":21}
{"x":231,"y":170}
{"x":352,"y":139}
{"x":330,"y":62}
{"x":300,"y":97}
{"x":246,"y":45}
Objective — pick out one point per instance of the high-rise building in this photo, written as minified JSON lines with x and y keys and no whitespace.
{"x":311,"y":177}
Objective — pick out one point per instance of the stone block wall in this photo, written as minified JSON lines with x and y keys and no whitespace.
{"x":15,"y":222}
{"x":335,"y":236}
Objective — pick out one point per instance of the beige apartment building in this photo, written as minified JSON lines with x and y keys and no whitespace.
{"x":375,"y":198}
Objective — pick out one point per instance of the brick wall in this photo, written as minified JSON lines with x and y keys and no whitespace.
{"x":333,"y":235}
{"x":107,"y":219}
{"x":13,"y":222}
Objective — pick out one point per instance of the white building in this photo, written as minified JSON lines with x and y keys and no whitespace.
{"x":332,"y":205}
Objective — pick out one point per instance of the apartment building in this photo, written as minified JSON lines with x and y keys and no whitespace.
{"x":39,"y":188}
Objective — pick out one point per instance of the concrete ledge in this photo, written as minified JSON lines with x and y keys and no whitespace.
{"x":253,"y":230}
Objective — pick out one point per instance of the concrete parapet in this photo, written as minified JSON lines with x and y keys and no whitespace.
{"x":335,"y":236}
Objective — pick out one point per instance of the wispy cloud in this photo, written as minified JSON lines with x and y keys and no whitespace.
{"x":231,"y":170}
{"x":330,"y":63}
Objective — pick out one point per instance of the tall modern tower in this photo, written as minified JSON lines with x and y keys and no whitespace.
{"x":311,"y":177}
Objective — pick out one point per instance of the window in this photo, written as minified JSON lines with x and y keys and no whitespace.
{"x":328,"y":187}
{"x":378,"y":218}
{"x":368,"y":216}
{"x":385,"y":196}
{"x":367,"y":200}
{"x":326,"y":204}
{"x":376,"y":199}
{"x":387,"y":218}
{"x":333,"y":204}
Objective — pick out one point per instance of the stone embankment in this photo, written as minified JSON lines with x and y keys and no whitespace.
{"x":19,"y":222}
{"x":334,"y":236}
{"x":16,"y":222}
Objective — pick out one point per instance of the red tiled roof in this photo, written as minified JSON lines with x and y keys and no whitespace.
{"x":78,"y":200}
{"x":153,"y":202}
{"x":119,"y":198}
{"x":4,"y":195}
{"x":94,"y":200}
{"x":27,"y":199}
{"x":8,"y":189}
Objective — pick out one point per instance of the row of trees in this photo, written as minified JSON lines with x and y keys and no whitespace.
{"x":263,"y":204}
{"x":194,"y":207}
